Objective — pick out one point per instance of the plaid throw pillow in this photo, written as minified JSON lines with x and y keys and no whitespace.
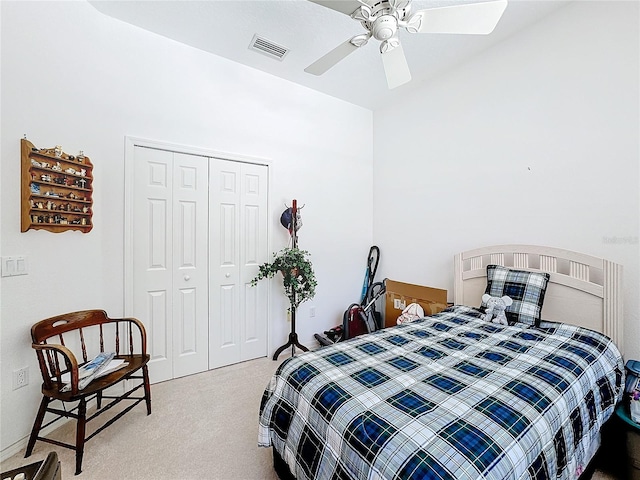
{"x":526,"y":289}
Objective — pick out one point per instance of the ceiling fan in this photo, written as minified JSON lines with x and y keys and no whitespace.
{"x":384,"y":18}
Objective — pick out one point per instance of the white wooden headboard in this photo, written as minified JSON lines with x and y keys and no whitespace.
{"x":582,"y":290}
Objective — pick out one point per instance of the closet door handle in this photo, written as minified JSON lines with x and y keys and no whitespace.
{"x":187,"y":278}
{"x":227,"y":275}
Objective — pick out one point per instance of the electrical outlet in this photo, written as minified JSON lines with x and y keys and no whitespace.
{"x":399,"y":304}
{"x":20,"y":378}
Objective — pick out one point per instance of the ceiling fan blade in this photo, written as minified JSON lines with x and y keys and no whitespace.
{"x":473,"y":18}
{"x":395,"y":66}
{"x":330,"y":59}
{"x":343,"y":6}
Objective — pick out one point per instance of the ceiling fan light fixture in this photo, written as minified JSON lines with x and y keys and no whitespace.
{"x":383,"y":18}
{"x":414,"y":23}
{"x":389,"y":45}
{"x":360,"y":40}
{"x":363,"y":14}
{"x":384,"y":27}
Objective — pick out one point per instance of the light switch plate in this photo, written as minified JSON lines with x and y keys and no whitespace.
{"x":14,"y":265}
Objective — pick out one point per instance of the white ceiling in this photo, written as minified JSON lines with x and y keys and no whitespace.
{"x":226,"y":28}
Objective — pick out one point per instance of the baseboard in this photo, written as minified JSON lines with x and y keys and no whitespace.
{"x":21,"y":445}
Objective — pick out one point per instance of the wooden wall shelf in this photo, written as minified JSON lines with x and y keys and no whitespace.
{"x":57,"y":190}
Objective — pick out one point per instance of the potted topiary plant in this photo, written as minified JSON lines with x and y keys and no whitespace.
{"x":297,"y":274}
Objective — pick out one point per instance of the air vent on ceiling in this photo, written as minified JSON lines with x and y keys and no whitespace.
{"x":267,"y":47}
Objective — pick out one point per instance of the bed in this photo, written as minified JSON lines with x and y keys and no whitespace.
{"x":452,"y":396}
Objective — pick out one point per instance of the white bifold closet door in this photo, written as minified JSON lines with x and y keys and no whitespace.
{"x":199,"y":232}
{"x":170,"y":259}
{"x":238,"y":232}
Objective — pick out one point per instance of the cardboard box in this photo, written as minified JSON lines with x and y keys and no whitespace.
{"x":399,"y":295}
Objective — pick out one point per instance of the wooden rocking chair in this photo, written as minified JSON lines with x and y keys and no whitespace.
{"x":87,"y":333}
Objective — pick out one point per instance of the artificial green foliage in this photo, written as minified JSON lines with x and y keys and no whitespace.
{"x":297,"y":273}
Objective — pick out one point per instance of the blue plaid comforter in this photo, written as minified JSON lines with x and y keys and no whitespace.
{"x":447,"y":397}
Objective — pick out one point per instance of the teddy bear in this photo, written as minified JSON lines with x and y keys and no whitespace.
{"x":496,"y":307}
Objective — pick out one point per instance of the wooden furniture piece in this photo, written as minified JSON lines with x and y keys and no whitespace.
{"x":57,"y":190}
{"x":583,"y":290}
{"x":47,"y":469}
{"x":87,"y":333}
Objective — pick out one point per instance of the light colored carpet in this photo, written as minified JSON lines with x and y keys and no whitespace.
{"x":203,"y":427}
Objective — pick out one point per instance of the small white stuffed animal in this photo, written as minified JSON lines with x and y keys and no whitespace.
{"x":412,"y":312}
{"x":496,"y":307}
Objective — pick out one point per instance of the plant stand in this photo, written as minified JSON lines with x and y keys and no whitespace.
{"x":293,"y":339}
{"x":293,"y":336}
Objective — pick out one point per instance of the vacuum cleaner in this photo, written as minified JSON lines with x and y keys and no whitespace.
{"x":361,"y":317}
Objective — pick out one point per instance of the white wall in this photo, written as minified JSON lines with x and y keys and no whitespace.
{"x":554,"y":111}
{"x":74,"y":77}
{"x":535,"y":141}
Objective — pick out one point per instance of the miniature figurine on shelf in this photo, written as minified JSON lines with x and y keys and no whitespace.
{"x":58,"y":151}
{"x":81,"y":156}
{"x":57,"y":167}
